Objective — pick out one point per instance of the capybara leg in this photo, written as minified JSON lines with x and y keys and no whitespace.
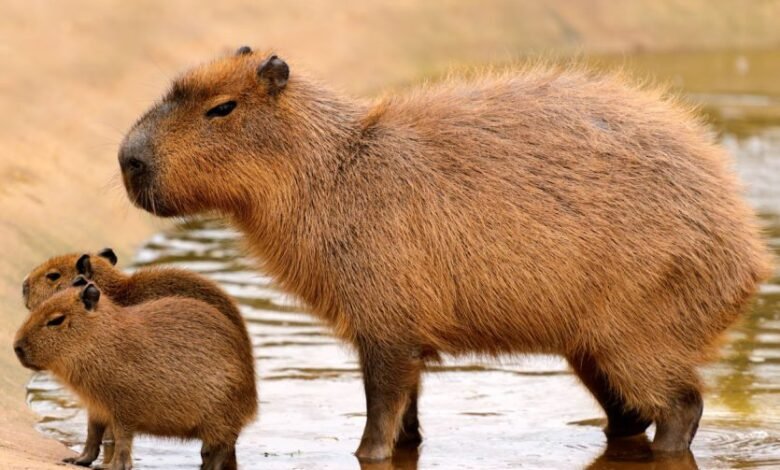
{"x":123,"y":448}
{"x":621,"y":420}
{"x":219,"y":457}
{"x":676,"y":426}
{"x":91,"y":450}
{"x":108,"y":446}
{"x":410,"y":437}
{"x":388,"y":376}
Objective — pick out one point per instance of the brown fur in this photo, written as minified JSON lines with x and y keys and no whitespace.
{"x":533,"y":211}
{"x":167,"y":367}
{"x":126,"y":290}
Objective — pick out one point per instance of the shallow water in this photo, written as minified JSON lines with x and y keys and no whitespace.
{"x":516,"y":413}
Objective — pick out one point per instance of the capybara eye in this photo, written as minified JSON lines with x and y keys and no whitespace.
{"x":56,"y":321}
{"x":221,"y":110}
{"x":53,"y":276}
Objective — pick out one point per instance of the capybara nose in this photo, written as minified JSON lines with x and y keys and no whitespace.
{"x":19,"y":350}
{"x":135,"y":155}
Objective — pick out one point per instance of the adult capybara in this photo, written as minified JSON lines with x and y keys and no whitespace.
{"x":167,"y":367}
{"x":144,"y":284}
{"x":532,"y":211}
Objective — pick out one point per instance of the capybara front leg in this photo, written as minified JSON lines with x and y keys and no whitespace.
{"x":676,"y":427}
{"x":621,"y":421}
{"x":123,"y":448}
{"x":219,"y":457}
{"x":108,"y":446}
{"x":91,"y":450}
{"x":410,"y":437}
{"x":388,"y":377}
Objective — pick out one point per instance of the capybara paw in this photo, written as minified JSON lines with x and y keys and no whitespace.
{"x":81,"y":460}
{"x":373,"y":452}
{"x":119,"y":464}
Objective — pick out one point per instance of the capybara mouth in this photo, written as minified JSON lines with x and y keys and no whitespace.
{"x":149,"y":200}
{"x":24,"y":360}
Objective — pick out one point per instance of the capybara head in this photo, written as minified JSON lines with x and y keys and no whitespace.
{"x":56,"y":328}
{"x":221,"y":132}
{"x":59,"y":272}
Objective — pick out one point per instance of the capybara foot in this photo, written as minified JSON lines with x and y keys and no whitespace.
{"x":625,"y":424}
{"x":370,"y":452}
{"x":676,"y":429}
{"x":81,"y":460}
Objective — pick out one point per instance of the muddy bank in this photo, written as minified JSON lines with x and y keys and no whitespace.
{"x":76,"y":75}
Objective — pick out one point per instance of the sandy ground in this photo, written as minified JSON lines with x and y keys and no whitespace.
{"x":76,"y":74}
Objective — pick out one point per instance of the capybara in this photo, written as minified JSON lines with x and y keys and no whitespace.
{"x":167,"y":367}
{"x":144,"y":284}
{"x":539,"y":210}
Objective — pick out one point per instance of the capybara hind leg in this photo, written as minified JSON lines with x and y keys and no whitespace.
{"x":410,"y":437}
{"x":219,"y":457}
{"x":123,"y":448}
{"x":621,"y":420}
{"x":388,"y":376}
{"x":676,"y":426}
{"x":91,"y":450}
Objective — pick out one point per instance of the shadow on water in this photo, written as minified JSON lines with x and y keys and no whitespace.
{"x":527,"y":412}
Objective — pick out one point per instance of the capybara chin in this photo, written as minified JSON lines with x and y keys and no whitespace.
{"x":537,"y":210}
{"x":167,"y":367}
{"x":147,"y":283}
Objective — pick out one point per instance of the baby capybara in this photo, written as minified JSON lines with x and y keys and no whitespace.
{"x":144,"y":284}
{"x":531,"y":211}
{"x":167,"y":367}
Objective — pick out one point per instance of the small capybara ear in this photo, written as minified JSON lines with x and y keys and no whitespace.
{"x":84,"y":266}
{"x":109,"y":254}
{"x":275,"y":72}
{"x":244,"y":50}
{"x":79,"y":281}
{"x":90,"y":296}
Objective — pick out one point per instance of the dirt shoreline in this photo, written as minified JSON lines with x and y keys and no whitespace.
{"x":77,"y":74}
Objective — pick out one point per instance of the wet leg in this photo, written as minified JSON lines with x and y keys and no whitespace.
{"x":676,"y":427}
{"x":91,"y":450}
{"x":388,"y":377}
{"x":410,"y":437}
{"x":621,"y":422}
{"x":123,"y":450}
{"x":108,"y":446}
{"x":220,"y":456}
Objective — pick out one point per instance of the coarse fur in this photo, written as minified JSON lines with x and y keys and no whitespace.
{"x":538,"y":210}
{"x":146,"y":283}
{"x":167,"y":367}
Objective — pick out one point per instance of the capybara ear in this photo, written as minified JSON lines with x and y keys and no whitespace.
{"x":79,"y":281}
{"x":84,"y":266}
{"x":275,"y":72}
{"x":90,"y":296}
{"x":109,"y":254}
{"x":244,"y":50}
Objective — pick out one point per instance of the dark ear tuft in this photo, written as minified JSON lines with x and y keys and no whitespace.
{"x":275,"y":72}
{"x":90,"y":296}
{"x":79,"y":281}
{"x":84,"y":266}
{"x":109,"y":254}
{"x":244,"y":50}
